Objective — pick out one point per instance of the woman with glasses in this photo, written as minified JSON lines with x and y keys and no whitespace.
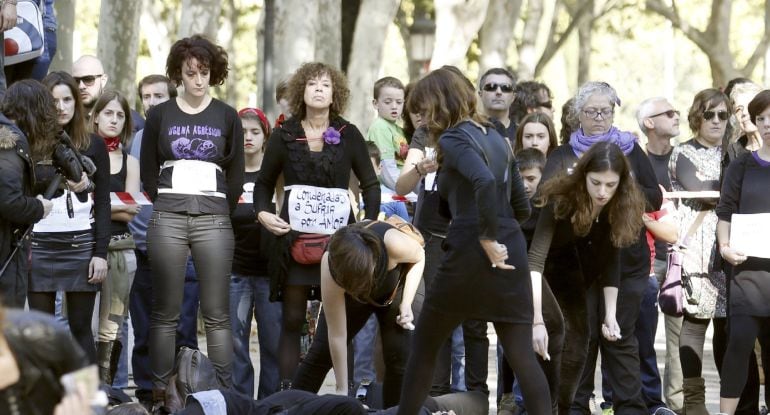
{"x":695,"y":165}
{"x":594,"y":107}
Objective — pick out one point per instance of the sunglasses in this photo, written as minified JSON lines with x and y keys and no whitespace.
{"x":87,"y":80}
{"x":505,"y":88}
{"x":709,"y":115}
{"x":669,"y":114}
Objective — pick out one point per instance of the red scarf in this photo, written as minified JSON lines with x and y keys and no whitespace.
{"x":112,"y":143}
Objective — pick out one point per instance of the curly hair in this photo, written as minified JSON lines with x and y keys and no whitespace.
{"x":537,"y":118}
{"x":569,"y":121}
{"x":444,"y":98}
{"x":208,"y":55}
{"x":295,"y":93}
{"x":570,"y":199}
{"x":77,"y":128}
{"x":107,"y":96}
{"x":526,"y":97}
{"x":354,"y":251}
{"x":29,"y":104}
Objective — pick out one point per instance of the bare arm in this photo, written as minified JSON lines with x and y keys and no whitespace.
{"x":125,"y":213}
{"x":405,"y":250}
{"x":610,"y":328}
{"x":409,"y":177}
{"x":336,"y":321}
{"x":665,"y":231}
{"x":723,"y":238}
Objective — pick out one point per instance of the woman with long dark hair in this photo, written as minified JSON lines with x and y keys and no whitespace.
{"x":587,"y":217}
{"x":484,"y":275}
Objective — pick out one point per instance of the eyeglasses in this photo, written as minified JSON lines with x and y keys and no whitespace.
{"x":669,"y":114}
{"x":87,"y":80}
{"x":594,"y":114}
{"x":709,"y":115}
{"x":505,"y":88}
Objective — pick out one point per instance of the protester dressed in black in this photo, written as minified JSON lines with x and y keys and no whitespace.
{"x":480,"y":277}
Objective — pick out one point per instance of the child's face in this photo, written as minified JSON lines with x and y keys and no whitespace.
{"x":531,"y":179}
{"x":253,"y":136}
{"x":535,"y":135}
{"x":376,"y":166}
{"x":390,"y":104}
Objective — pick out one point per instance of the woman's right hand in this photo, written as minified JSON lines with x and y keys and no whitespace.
{"x":732,"y":256}
{"x":496,"y":252}
{"x":81,"y":185}
{"x":273,"y":223}
{"x":427,"y":165}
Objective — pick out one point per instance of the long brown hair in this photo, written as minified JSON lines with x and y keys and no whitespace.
{"x":444,"y":99}
{"x":354,"y":251}
{"x":29,"y":104}
{"x":76,"y":128}
{"x":571,"y":200}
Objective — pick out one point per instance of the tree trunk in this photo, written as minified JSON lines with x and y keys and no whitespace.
{"x":65,"y":16}
{"x":527,"y":56}
{"x":226,"y":38}
{"x":366,"y":57}
{"x":349,"y":17}
{"x":328,"y":40}
{"x":457,"y":23}
{"x":118,"y":43}
{"x":199,"y":17}
{"x":294,"y":35}
{"x":497,"y":32}
{"x":269,"y":81}
{"x":158,"y":33}
{"x":584,"y":50}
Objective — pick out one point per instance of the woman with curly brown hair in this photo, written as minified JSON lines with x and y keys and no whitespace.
{"x":192,"y":167}
{"x":315,"y":151}
{"x":587,"y":217}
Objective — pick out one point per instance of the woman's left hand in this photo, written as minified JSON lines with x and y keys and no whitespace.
{"x":405,"y":317}
{"x":97,"y":270}
{"x":610,"y":328}
{"x":497,"y":253}
{"x":81,"y":185}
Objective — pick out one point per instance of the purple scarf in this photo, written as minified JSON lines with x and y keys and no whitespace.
{"x":580,"y":143}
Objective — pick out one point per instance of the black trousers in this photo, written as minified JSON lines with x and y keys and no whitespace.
{"x":395,"y":345}
{"x":621,"y":356}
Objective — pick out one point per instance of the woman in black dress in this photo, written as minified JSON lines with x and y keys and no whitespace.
{"x":314,"y":151}
{"x":744,"y":191}
{"x":587,"y":217}
{"x":478,"y":278}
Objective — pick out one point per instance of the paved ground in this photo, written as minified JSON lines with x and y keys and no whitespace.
{"x":709,"y":370}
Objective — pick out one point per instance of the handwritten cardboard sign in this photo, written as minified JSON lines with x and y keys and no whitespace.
{"x":318,"y":209}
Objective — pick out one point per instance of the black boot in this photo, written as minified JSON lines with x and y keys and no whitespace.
{"x":103,"y":360}
{"x":117,"y":347}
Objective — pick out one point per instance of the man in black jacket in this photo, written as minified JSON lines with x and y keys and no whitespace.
{"x":18,"y":210}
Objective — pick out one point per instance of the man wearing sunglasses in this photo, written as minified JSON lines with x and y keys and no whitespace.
{"x":496,"y":92}
{"x":659,"y":121}
{"x":89,"y":75}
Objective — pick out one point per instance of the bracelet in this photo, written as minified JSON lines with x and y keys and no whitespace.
{"x":539,"y":323}
{"x":417,"y":168}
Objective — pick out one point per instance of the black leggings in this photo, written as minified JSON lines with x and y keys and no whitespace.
{"x":294,"y":316}
{"x":433,"y":327}
{"x":735,"y":366}
{"x":80,"y":309}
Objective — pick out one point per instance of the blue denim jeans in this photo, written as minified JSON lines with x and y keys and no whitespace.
{"x":363,"y":351}
{"x":250,"y":298}
{"x":209,"y":239}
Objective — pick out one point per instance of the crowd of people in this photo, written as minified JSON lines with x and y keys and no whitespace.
{"x":561,"y":242}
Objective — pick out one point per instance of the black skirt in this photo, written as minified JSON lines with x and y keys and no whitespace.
{"x":60,"y":262}
{"x":466,"y":284}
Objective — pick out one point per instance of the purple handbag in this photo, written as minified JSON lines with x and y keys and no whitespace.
{"x":671,"y":296}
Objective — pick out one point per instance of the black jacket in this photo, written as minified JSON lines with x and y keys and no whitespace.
{"x":44,"y":351}
{"x":18,"y":208}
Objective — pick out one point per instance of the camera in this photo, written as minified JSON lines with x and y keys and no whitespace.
{"x":70,"y":165}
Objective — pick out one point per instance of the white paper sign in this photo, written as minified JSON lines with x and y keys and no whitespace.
{"x":430,"y":178}
{"x":193,"y":176}
{"x":318,"y":209}
{"x":748,"y":234}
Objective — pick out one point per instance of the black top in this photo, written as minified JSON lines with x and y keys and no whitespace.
{"x":118,"y":184}
{"x":635,"y":259}
{"x":428,"y":216}
{"x":745,"y":191}
{"x":385,"y":280}
{"x":287,"y":153}
{"x":481,"y":178}
{"x":509,"y":132}
{"x":249,"y":257}
{"x":555,"y":245}
{"x":660,"y":165}
{"x":214,"y":135}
